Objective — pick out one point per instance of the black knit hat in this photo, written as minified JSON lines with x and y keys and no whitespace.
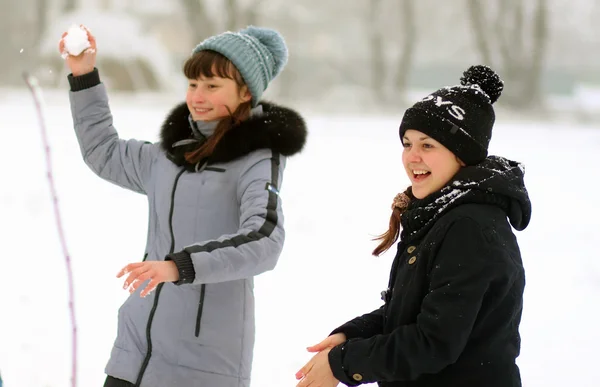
{"x":459,"y":117}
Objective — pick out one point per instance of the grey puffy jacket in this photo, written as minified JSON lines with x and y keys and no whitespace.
{"x":221,"y":223}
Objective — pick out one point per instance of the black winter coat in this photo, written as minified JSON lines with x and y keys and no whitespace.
{"x":453,"y":306}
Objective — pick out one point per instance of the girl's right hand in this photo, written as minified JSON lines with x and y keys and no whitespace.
{"x":83,"y":63}
{"x":329,"y":342}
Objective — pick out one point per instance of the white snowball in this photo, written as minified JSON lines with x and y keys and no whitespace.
{"x":76,"y":40}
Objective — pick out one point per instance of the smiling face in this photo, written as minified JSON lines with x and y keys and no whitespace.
{"x":209,"y":99}
{"x":428,"y":164}
{"x":215,"y":86}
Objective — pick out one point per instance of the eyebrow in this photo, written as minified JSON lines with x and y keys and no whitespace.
{"x":420,"y":139}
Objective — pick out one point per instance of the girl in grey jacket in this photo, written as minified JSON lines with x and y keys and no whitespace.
{"x":215,"y":217}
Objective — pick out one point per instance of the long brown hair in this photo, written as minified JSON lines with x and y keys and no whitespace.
{"x":390,"y":237}
{"x":210,"y":64}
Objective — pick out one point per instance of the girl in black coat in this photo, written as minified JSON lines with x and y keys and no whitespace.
{"x":455,"y":295}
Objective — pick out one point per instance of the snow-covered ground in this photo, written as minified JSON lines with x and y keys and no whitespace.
{"x":336,"y":197}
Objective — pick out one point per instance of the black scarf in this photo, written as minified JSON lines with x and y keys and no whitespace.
{"x":496,"y":180}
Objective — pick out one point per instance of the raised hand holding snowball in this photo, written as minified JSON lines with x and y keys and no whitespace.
{"x":76,"y":40}
{"x":79,"y":54}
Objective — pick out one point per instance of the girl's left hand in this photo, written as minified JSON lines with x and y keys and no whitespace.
{"x":155,"y":271}
{"x":317,"y":372}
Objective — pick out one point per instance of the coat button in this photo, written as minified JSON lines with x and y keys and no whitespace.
{"x":357,"y":377}
{"x":411,"y":249}
{"x":412,"y":260}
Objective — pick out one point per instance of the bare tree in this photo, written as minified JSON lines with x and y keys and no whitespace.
{"x":198,"y":18}
{"x":540,"y":39}
{"x":18,"y":48}
{"x":42,"y":21}
{"x":240,"y":17}
{"x":251,"y":15}
{"x":69,"y":5}
{"x":409,"y":40}
{"x":515,"y":42}
{"x":236,"y":17}
{"x":231,"y":8}
{"x":479,"y":30}
{"x":378,"y":68}
{"x":106,"y":5}
{"x":6,"y":44}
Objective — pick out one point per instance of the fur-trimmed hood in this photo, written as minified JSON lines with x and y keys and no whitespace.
{"x":278,"y":128}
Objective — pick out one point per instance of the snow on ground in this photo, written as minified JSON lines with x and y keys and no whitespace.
{"x":336,"y":197}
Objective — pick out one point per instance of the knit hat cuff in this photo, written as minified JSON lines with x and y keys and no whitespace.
{"x":453,"y":137}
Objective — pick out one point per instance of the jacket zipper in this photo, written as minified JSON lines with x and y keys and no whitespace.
{"x":200,"y":309}
{"x":203,"y":287}
{"x":158,"y":288}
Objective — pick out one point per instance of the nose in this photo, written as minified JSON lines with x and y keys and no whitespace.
{"x":412,"y":155}
{"x":198,"y":96}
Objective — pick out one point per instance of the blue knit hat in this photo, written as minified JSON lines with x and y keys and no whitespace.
{"x":259,"y":54}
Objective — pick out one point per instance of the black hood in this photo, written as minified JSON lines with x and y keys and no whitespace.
{"x":501,"y":177}
{"x":278,"y":128}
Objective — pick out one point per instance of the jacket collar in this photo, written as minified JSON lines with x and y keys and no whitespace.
{"x":278,"y":128}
